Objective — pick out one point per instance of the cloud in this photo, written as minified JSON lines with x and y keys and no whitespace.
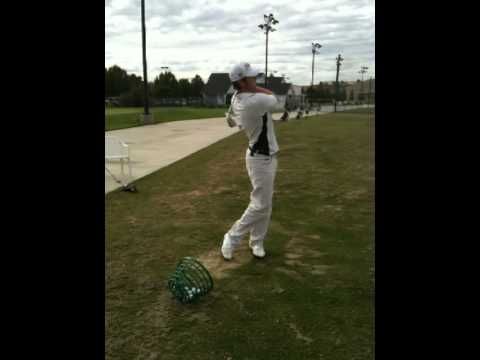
{"x":205,"y":36}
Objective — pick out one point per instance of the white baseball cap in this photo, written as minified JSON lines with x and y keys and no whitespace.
{"x":242,"y":70}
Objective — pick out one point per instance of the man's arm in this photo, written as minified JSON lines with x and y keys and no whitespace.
{"x":259,"y":89}
{"x":265,"y":102}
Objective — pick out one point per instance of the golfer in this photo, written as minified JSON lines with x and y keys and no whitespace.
{"x":253,"y":105}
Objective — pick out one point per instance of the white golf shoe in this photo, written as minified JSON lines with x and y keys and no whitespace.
{"x":227,"y":249}
{"x":258,"y":251}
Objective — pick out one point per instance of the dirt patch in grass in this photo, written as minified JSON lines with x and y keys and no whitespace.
{"x":223,"y":190}
{"x":200,"y":317}
{"x":306,"y":267}
{"x":356,"y":194}
{"x":299,"y":335}
{"x":157,"y":314}
{"x":180,"y":202}
{"x":183,"y":208}
{"x":319,"y":269}
{"x":294,"y":263}
{"x":218,"y":267}
{"x":299,"y":257}
{"x":195,"y":193}
{"x":329,"y":208}
{"x":132,"y":220}
{"x":313,"y":253}
{"x":293,"y":256}
{"x":291,"y":273}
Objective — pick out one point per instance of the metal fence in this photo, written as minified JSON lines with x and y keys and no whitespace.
{"x":193,"y":101}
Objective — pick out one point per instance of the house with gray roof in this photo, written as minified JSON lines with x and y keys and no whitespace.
{"x":215,"y":90}
{"x":218,"y":91}
{"x":288,"y":95}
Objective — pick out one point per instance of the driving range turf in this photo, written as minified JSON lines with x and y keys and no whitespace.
{"x":312,"y":297}
{"x":121,"y":118}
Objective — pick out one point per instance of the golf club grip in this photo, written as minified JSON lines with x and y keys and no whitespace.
{"x":230,"y":112}
{"x":232,"y":100}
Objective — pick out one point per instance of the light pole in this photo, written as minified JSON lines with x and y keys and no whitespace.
{"x":362,"y":71}
{"x":339,"y":60}
{"x":369,"y":91}
{"x":315,"y":50}
{"x":147,"y":117}
{"x":267,"y":27}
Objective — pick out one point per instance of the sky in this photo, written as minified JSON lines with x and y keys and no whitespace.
{"x":207,"y":36}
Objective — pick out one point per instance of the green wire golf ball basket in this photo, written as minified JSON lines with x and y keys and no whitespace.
{"x":190,"y":281}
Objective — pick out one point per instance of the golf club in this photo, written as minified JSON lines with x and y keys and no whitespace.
{"x":125,"y":187}
{"x":230,"y":114}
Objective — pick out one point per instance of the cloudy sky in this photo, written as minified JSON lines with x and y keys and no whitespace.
{"x":205,"y":36}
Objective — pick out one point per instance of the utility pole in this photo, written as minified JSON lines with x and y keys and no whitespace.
{"x":147,"y":117}
{"x":339,"y":60}
{"x":267,"y":26}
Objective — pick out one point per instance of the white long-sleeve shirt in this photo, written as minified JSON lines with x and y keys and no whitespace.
{"x":251,"y":107}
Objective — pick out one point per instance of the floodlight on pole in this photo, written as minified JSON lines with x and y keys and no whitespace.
{"x":362,"y":71}
{"x":269,"y":20}
{"x":315,"y":50}
{"x":339,"y":63}
{"x":147,"y":117}
{"x":369,"y":91}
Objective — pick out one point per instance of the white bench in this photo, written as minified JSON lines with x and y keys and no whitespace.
{"x":116,"y":149}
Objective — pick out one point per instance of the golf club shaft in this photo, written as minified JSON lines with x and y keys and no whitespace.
{"x":231,"y":102}
{"x":114,"y":178}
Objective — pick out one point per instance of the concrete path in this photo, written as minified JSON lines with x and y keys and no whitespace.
{"x":153,"y":147}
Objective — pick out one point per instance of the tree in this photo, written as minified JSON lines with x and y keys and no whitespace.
{"x":116,"y":81}
{"x":327,"y":93}
{"x":184,"y":88}
{"x":197,"y":86}
{"x":165,"y":85}
{"x":321,"y":90}
{"x":134,"y":97}
{"x":134,"y":81}
{"x":311,"y":93}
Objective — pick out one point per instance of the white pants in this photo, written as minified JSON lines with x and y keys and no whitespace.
{"x":256,"y":218}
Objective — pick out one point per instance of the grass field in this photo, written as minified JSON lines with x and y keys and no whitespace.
{"x":120,"y":118}
{"x":311,"y":298}
{"x":360,"y":111}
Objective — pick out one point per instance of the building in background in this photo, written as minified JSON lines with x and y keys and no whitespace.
{"x":295,"y":97}
{"x":218,"y":91}
{"x":358,"y":91}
